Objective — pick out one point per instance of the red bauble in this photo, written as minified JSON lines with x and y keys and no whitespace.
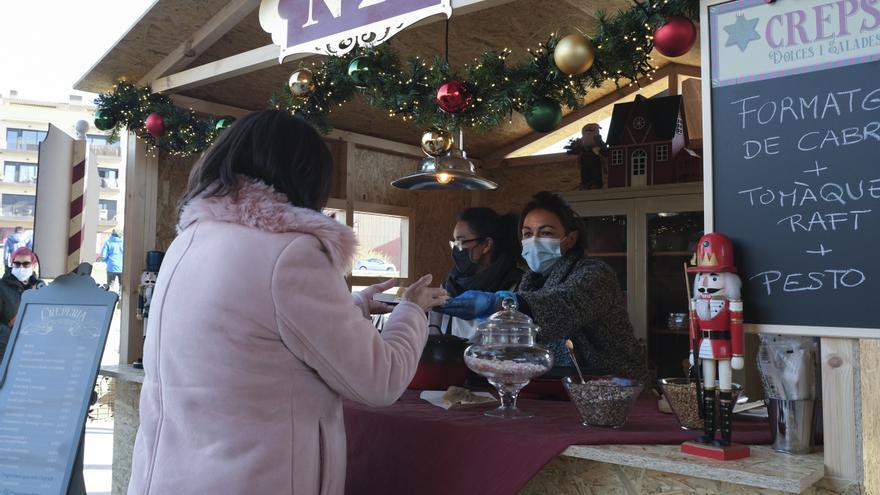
{"x":155,"y":124}
{"x":676,"y":37}
{"x":453,"y":96}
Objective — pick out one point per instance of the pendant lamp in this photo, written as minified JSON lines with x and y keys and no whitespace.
{"x":453,"y":171}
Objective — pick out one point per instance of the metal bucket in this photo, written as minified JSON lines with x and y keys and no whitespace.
{"x":791,"y":423}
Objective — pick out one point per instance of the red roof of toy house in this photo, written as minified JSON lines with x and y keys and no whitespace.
{"x":662,"y":112}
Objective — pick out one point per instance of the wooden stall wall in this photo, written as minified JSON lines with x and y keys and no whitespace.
{"x":518,"y":183}
{"x":434,"y":212}
{"x":173,"y":176}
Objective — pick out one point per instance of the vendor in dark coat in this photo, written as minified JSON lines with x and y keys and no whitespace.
{"x":485,"y":251}
{"x":18,"y":279}
{"x":568,"y":294}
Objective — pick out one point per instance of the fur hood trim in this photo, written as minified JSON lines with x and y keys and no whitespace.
{"x":259,"y":206}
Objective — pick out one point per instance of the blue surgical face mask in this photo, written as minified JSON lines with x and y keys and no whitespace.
{"x":541,"y":253}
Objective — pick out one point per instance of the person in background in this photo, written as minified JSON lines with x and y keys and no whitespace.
{"x":485,"y":250}
{"x":245,"y":373}
{"x":111,"y":254}
{"x":14,"y":240}
{"x":20,"y":278}
{"x":568,"y":294}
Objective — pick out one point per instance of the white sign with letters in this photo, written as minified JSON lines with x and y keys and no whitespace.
{"x":335,"y":27}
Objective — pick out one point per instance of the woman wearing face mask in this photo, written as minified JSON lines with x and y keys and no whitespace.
{"x":17,"y":280}
{"x":485,"y":250}
{"x":568,"y":294}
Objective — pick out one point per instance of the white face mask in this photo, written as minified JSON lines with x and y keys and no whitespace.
{"x":541,"y":253}
{"x":22,"y":273}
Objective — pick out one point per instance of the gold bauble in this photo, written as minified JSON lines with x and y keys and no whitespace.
{"x":436,"y":141}
{"x":574,"y":54}
{"x":301,"y":83}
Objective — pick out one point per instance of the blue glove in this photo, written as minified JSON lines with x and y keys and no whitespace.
{"x":469,"y":305}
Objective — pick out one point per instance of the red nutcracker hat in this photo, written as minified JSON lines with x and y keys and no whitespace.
{"x":714,"y":255}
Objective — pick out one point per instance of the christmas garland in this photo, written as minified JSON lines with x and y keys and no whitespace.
{"x":482,"y":96}
{"x":155,"y":118}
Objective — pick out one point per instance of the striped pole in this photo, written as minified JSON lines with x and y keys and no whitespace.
{"x":77,"y":203}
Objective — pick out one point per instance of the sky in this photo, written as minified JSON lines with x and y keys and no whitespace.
{"x":49,"y":44}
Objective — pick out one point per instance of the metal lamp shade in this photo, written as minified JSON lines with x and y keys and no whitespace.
{"x":453,"y":171}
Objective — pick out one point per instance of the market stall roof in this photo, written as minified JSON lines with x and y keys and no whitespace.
{"x":174,"y":35}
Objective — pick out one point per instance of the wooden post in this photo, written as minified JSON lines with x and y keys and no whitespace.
{"x":141,"y":181}
{"x":869,"y":363}
{"x":841,"y":413}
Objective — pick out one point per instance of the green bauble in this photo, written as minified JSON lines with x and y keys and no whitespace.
{"x":103,"y":122}
{"x":223,"y":123}
{"x":360,"y":71}
{"x":544,"y":115}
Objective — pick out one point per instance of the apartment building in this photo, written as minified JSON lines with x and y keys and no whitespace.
{"x":23,"y":125}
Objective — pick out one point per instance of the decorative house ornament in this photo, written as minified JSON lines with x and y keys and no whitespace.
{"x":648,"y":144}
{"x":336,"y":27}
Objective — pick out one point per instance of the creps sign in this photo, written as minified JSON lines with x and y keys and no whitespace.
{"x":335,"y":27}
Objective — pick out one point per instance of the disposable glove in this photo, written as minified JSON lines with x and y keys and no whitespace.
{"x":470,"y":305}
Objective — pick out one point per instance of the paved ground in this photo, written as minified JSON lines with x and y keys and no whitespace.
{"x":99,"y":434}
{"x":98,"y":457}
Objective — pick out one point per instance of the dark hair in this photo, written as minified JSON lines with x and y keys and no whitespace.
{"x":486,"y":222}
{"x":554,"y":203}
{"x":273,"y":146}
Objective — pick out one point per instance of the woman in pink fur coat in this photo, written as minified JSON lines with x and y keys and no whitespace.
{"x":254,"y":338}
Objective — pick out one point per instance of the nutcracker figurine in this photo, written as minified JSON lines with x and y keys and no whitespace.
{"x":716,"y":313}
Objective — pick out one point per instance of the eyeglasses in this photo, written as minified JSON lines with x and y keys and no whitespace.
{"x":19,"y":264}
{"x":459,"y":243}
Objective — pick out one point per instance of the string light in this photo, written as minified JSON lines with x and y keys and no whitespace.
{"x":408,"y":91}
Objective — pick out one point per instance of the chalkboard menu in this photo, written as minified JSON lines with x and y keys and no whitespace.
{"x":795,"y":154}
{"x":46,"y":380}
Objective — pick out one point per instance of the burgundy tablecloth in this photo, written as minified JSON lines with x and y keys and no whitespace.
{"x":413,"y":447}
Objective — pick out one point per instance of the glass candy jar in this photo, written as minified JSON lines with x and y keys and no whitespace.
{"x":506,"y":354}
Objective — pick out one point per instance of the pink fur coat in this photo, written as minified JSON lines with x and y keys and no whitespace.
{"x":253,"y":339}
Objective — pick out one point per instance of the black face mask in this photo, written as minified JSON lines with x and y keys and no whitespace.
{"x":463,"y":262}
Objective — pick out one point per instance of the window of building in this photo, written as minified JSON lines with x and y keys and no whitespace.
{"x":101,"y":145}
{"x":662,"y":152}
{"x":679,"y":126}
{"x":20,"y":172}
{"x":617,"y":157}
{"x":107,"y":210}
{"x":109,"y":177}
{"x":639,"y":162}
{"x":108,"y":173}
{"x":383,"y":241}
{"x":24,"y":139}
{"x":18,"y":205}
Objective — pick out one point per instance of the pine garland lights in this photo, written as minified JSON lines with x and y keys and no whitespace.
{"x":407,"y":90}
{"x":128,"y":106}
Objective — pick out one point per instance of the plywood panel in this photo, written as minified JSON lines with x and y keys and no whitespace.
{"x":517,"y":184}
{"x":434,"y":211}
{"x":518,"y":25}
{"x":869,"y":359}
{"x":165,"y":26}
{"x":173,"y":176}
{"x":841,"y":411}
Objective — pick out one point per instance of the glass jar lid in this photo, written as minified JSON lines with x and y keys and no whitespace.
{"x":508,"y":320}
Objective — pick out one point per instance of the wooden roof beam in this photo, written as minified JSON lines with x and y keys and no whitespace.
{"x":181,"y":57}
{"x":267,"y":56}
{"x":666,"y":71}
